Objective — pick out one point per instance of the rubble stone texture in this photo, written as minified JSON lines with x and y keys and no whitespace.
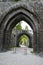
{"x":13,"y":12}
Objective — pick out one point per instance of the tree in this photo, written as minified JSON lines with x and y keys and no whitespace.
{"x":24,"y":39}
{"x":18,"y":26}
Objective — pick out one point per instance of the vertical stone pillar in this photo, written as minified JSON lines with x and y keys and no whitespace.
{"x":40,"y":40}
{"x":38,"y":44}
{"x":30,"y":42}
{"x":35,"y":42}
{"x":1,"y":39}
{"x":7,"y":40}
{"x":15,"y":40}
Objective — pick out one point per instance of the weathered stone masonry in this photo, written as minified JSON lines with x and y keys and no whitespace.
{"x":23,"y":32}
{"x":10,"y":15}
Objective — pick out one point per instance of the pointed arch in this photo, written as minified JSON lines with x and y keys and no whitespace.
{"x":12,"y":16}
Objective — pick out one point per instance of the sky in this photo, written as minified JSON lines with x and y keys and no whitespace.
{"x":24,"y":24}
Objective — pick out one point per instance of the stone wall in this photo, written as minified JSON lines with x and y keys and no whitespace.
{"x":36,"y":7}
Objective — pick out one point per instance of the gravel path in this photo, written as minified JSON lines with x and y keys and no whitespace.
{"x":19,"y":58}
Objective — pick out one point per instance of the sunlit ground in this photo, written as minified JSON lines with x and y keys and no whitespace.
{"x":20,"y":57}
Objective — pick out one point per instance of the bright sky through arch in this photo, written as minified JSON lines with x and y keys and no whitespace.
{"x":24,"y":24}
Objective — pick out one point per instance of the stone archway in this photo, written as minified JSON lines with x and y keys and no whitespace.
{"x":23,"y":32}
{"x":11,"y":17}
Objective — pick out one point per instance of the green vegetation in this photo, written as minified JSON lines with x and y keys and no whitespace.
{"x":18,"y":26}
{"x":24,"y":39}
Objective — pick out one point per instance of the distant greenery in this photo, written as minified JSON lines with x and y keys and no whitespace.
{"x":18,"y":26}
{"x":24,"y":39}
